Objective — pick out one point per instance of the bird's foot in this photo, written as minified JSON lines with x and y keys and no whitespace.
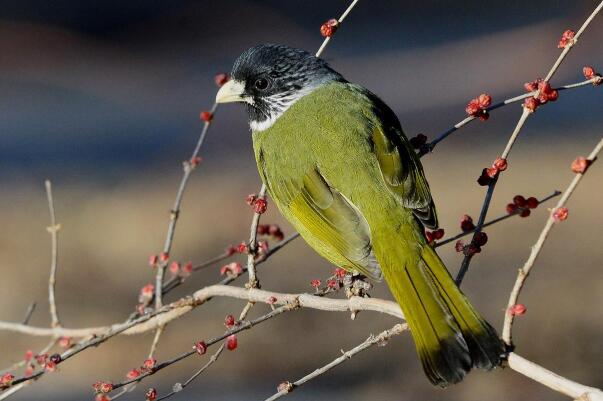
{"x":355,"y":285}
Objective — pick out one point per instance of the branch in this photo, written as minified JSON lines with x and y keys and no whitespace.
{"x":526,"y":112}
{"x":53,"y":229}
{"x":537,"y":248}
{"x":380,"y":339}
{"x":553,"y":381}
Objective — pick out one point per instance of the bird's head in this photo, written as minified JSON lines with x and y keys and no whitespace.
{"x":269,"y":78}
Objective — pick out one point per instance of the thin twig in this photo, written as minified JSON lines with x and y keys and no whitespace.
{"x":53,"y":229}
{"x":537,"y":248}
{"x":523,"y":118}
{"x":380,"y":339}
{"x":493,"y":221}
{"x":429,"y":147}
{"x":29,"y":312}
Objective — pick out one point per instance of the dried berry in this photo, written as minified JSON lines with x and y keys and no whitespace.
{"x":560,"y":214}
{"x":532,"y":202}
{"x":580,"y":165}
{"x":200,"y":347}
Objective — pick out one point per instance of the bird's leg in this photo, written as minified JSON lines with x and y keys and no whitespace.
{"x":356,"y":286}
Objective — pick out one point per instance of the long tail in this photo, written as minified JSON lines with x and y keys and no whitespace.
{"x":450,"y":336}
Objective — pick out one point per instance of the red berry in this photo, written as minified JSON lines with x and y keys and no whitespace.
{"x":590,"y":73}
{"x":231,"y":342}
{"x":438,"y":234}
{"x":339,"y":272}
{"x":153,"y":260}
{"x":187,"y":269}
{"x":580,"y":165}
{"x":164,"y":256}
{"x":429,"y":236}
{"x":64,"y":342}
{"x":471,"y":250}
{"x":263,"y":247}
{"x":477,"y":106}
{"x":41,"y":358}
{"x":233,"y":269}
{"x":525,"y":212}
{"x":151,"y":394}
{"x":459,"y":246}
{"x":532,"y":202}
{"x":200,"y":347}
{"x":50,"y":366}
{"x":195,"y":161}
{"x":242,"y":248}
{"x":329,"y":28}
{"x":531,"y":104}
{"x":332,"y":284}
{"x":221,"y":79}
{"x":560,"y":214}
{"x":315,"y":283}
{"x":491,"y":172}
{"x":206,"y":116}
{"x":533,"y":85}
{"x":260,"y":205}
{"x":467,"y":223}
{"x":250,"y":200}
{"x":500,"y":164}
{"x":519,"y":200}
{"x":102,"y":397}
{"x":229,"y":321}
{"x":149,"y":363}
{"x":174,"y":268}
{"x":133,"y":374}
{"x":481,"y":238}
{"x":6,"y":380}
{"x":567,"y":39}
{"x":148,"y":290}
{"x":231,"y":250}
{"x":511,"y":208}
{"x":517,"y":310}
{"x":263,"y":229}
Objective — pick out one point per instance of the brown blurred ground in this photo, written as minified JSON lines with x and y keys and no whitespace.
{"x":109,"y":232}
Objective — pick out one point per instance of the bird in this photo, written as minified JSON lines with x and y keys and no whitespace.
{"x":337,"y":164}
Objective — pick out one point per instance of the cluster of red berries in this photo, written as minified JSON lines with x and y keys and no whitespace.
{"x":233,"y":269}
{"x":590,"y":73}
{"x":545,"y":94}
{"x":258,"y":204}
{"x":102,"y":387}
{"x":479,"y":239}
{"x":478,"y":107}
{"x":489,"y":173}
{"x":272,"y":230}
{"x":332,"y":283}
{"x":329,"y":28}
{"x":435,"y":235}
{"x":147,"y":366}
{"x":567,"y":39}
{"x":522,"y":206}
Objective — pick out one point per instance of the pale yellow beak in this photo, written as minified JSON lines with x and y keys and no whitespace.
{"x":231,"y":91}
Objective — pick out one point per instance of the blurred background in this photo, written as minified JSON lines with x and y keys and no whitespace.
{"x":103,"y":98}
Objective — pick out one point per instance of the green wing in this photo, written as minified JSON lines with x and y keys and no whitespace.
{"x":400,"y":166}
{"x":325,"y":218}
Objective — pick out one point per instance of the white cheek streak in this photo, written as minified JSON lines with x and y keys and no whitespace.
{"x":283,"y":103}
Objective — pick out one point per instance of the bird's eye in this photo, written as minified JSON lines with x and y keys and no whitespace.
{"x":261,"y":84}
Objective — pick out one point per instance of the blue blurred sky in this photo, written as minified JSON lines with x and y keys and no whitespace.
{"x":110,"y":84}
